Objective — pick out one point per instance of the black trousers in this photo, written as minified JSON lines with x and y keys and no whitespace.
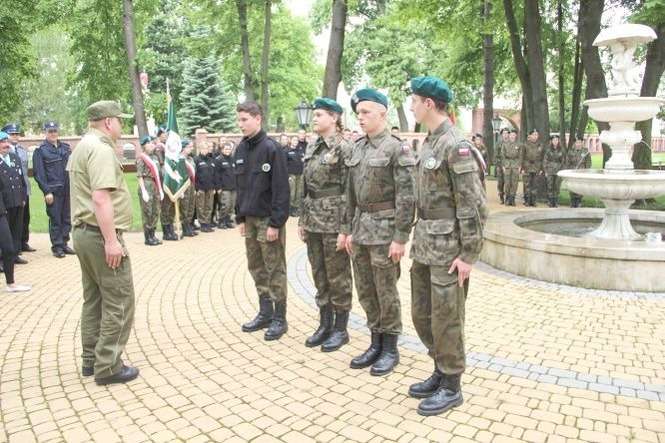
{"x":8,"y":249}
{"x":25,"y":238}
{"x":59,"y":220}
{"x":15,"y":221}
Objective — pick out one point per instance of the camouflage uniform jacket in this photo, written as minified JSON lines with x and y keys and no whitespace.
{"x":532,"y":157}
{"x":325,"y":175}
{"x":553,"y":160}
{"x":578,"y":158}
{"x":451,"y":201}
{"x":380,"y":191}
{"x":511,"y":155}
{"x":498,"y":154}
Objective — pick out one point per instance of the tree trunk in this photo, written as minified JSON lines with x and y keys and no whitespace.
{"x":520,"y":65}
{"x":130,"y":46}
{"x":655,"y":66}
{"x":249,"y":83}
{"x":561,"y":73}
{"x":265,"y":65}
{"x":578,"y":79}
{"x":401,"y":115}
{"x":536,"y":63}
{"x":488,"y":85}
{"x":333,"y":73}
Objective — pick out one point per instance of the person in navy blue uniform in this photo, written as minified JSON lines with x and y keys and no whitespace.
{"x":49,"y":161}
{"x":14,"y":132}
{"x":295,"y":154}
{"x":13,"y":194}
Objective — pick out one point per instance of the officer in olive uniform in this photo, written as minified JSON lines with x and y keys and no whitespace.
{"x":14,"y":131}
{"x":226,"y":186}
{"x":101,"y":213}
{"x":552,"y":164}
{"x":532,"y":166}
{"x":511,"y":159}
{"x":262,"y":209}
{"x":380,"y":193}
{"x":578,"y":158}
{"x":294,"y":165}
{"x":451,"y":210}
{"x":49,"y":161}
{"x":149,"y":189}
{"x":320,"y":223}
{"x":498,"y":164}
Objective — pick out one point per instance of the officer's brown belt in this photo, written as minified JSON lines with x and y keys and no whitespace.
{"x":436,"y":213}
{"x":89,"y":227}
{"x":376,"y":207}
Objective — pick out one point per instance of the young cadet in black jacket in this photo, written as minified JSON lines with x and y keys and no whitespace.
{"x":262,"y":209}
{"x":206,"y":184}
{"x":226,"y":186}
{"x":14,"y":194}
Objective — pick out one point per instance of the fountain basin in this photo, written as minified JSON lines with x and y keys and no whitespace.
{"x":615,"y":185}
{"x":624,"y":109}
{"x":552,"y":245}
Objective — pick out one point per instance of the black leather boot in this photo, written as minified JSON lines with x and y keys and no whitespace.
{"x":389,"y":356}
{"x":448,"y":396}
{"x":501,"y":197}
{"x":146,"y":236}
{"x":278,"y":325}
{"x":187,"y":230}
{"x":324,"y":329}
{"x":169,"y":233}
{"x":263,"y":318}
{"x":427,"y":387}
{"x":339,"y":336}
{"x":368,"y":357}
{"x":229,"y":222}
{"x":154,"y":237}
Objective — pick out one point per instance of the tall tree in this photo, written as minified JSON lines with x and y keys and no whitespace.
{"x":488,"y":84}
{"x":132,"y":66}
{"x":536,"y":60}
{"x":561,"y":71}
{"x":333,"y":73}
{"x":248,"y":73}
{"x":265,"y":64}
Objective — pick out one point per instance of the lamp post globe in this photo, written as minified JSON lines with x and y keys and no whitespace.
{"x":303,"y":113}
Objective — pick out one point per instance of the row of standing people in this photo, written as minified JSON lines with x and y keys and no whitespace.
{"x":532,"y":159}
{"x":360,"y":201}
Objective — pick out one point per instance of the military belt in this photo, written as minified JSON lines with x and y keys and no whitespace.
{"x":324,"y":193}
{"x":436,"y":213}
{"x":89,"y":227}
{"x":376,"y":207}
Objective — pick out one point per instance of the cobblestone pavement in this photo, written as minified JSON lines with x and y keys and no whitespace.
{"x":546,"y":363}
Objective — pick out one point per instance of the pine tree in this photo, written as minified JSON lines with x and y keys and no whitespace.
{"x":205,"y":101}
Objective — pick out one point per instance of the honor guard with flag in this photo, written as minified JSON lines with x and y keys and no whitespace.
{"x":173,"y":173}
{"x":150,"y":189}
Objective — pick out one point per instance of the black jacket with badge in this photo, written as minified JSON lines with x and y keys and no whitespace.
{"x":13,"y":185}
{"x":262,"y":180}
{"x":295,"y":160}
{"x":205,"y":172}
{"x":49,"y":162}
{"x":226,"y":178}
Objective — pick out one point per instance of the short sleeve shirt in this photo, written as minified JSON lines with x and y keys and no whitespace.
{"x":94,"y":165}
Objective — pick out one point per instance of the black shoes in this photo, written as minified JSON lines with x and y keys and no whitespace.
{"x":205,"y":227}
{"x":58,"y":252}
{"x":187,"y":230}
{"x":446,"y":397}
{"x":67,"y":250}
{"x":339,"y":336}
{"x":427,"y":387}
{"x":368,"y":357}
{"x":149,"y":239}
{"x":126,"y":373}
{"x":87,"y":371}
{"x":20,"y":260}
{"x":169,"y":233}
{"x":27,"y":248}
{"x":263,"y":318}
{"x":324,"y":329}
{"x":278,"y":325}
{"x":389,"y":357}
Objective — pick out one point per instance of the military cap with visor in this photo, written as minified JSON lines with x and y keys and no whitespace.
{"x":105,"y":109}
{"x":12,"y":128}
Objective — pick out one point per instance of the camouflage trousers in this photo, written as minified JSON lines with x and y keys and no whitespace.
{"x":150,"y":210}
{"x":227,"y":203}
{"x":553,"y":186}
{"x":167,"y":212}
{"x":376,"y":283}
{"x":529,"y":185}
{"x":204,"y":201}
{"x":437,"y":310}
{"x":295,"y":187}
{"x":500,"y":179}
{"x":266,"y":260}
{"x":332,"y":271}
{"x":511,"y":179}
{"x":187,"y":205}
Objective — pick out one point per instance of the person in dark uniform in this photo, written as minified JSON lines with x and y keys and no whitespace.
{"x":226,"y":186}
{"x":14,"y":132}
{"x":262,"y":208}
{"x":205,"y":182}
{"x":14,"y":192}
{"x":49,"y":161}
{"x":295,"y":153}
{"x":9,"y":190}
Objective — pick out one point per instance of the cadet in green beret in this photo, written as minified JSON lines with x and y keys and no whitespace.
{"x":320,"y":223}
{"x":448,"y":237}
{"x":150,"y":189}
{"x":532,"y":166}
{"x":101,"y":213}
{"x":380,"y":194}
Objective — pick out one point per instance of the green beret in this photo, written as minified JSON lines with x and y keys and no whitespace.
{"x":328,"y":104}
{"x":432,"y":87}
{"x":105,"y":109}
{"x":146,"y":139}
{"x":368,"y":94}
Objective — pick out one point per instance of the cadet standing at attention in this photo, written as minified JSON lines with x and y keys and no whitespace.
{"x":552,"y":164}
{"x":206,"y":180}
{"x":532,"y":166}
{"x":262,"y":209}
{"x":320,"y":223}
{"x":498,"y":164}
{"x":380,"y":194}
{"x":150,"y":189}
{"x":294,"y":166}
{"x":452,"y":209}
{"x":578,"y":158}
{"x":188,"y":201}
{"x":14,"y":131}
{"x":226,"y":186}
{"x":101,"y":213}
{"x":511,"y":159}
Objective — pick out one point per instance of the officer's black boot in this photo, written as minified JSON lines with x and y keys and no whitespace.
{"x":263,"y":318}
{"x":448,"y":396}
{"x":389,"y":356}
{"x":187,"y":230}
{"x":428,"y":387}
{"x":324,"y":329}
{"x":229,"y":222}
{"x":339,"y":336}
{"x":154,"y":237}
{"x":169,"y":233}
{"x":221,"y":222}
{"x":368,"y":357}
{"x":501,"y":197}
{"x":150,"y":238}
{"x":278,"y":325}
{"x":146,"y":235}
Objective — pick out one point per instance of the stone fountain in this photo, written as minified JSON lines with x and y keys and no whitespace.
{"x":595,"y":248}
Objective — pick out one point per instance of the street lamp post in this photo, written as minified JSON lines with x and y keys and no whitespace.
{"x":303,"y":114}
